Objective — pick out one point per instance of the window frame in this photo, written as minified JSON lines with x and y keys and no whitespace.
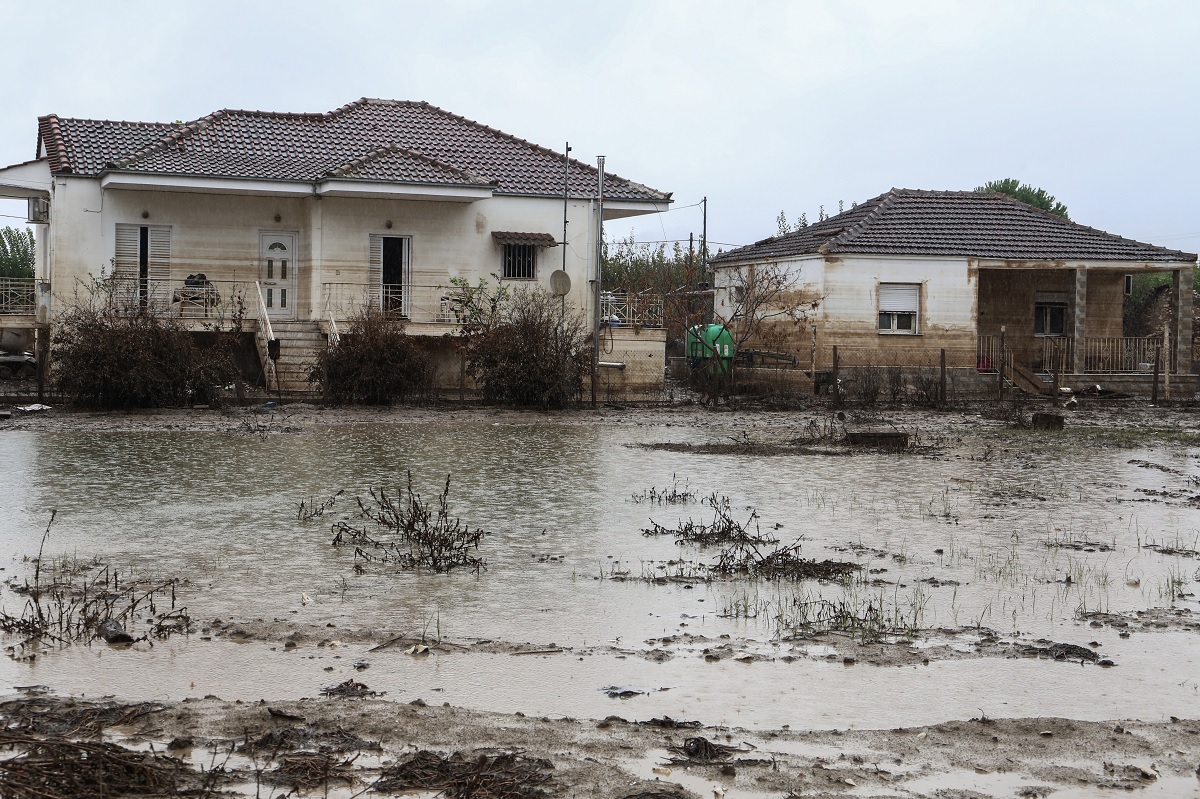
{"x":396,"y":299}
{"x":142,"y":259}
{"x":528,"y":257}
{"x":1042,"y":319}
{"x":892,"y":310}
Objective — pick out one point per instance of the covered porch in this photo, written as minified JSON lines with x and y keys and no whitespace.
{"x":1069,"y":320}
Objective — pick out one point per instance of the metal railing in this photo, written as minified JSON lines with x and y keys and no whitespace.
{"x":416,"y":303}
{"x":1058,"y":350}
{"x":1120,"y":354}
{"x":635,"y":309}
{"x":18,"y":295}
{"x":264,"y":336}
{"x":334,"y":335}
{"x":1101,"y":354}
{"x":186,"y":298}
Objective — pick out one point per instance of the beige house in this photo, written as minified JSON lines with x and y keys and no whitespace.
{"x":904,"y":275}
{"x":294,"y":221}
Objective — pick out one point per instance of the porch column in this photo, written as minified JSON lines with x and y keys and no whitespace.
{"x":1181,"y":324}
{"x":1079,"y":314}
{"x":316,"y":258}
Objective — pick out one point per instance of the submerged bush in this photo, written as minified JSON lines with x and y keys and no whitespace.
{"x":110,"y":352}
{"x":374,"y":362}
{"x":524,"y":348}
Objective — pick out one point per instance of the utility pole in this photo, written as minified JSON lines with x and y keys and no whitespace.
{"x":599,"y":260}
{"x":566,"y":176}
{"x":704,"y":239}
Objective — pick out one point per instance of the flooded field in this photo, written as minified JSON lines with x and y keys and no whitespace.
{"x":1000,"y":573}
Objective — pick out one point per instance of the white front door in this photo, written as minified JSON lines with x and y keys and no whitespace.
{"x":277,"y":274}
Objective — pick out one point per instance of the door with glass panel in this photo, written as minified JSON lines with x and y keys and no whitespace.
{"x":277,"y":274}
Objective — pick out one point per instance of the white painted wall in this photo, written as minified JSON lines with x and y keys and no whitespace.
{"x":808,"y":273}
{"x":948,"y":292}
{"x":219,"y":236}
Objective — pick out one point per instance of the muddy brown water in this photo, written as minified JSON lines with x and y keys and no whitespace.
{"x":220,"y":509}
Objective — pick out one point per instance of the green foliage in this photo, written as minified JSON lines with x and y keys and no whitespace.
{"x":630,"y":266}
{"x":374,"y":362}
{"x":673,"y":274}
{"x":16,"y":252}
{"x":108,"y":353}
{"x":523,"y":347}
{"x":1030,"y":195}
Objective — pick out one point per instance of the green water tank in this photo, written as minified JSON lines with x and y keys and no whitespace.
{"x":710,"y":345}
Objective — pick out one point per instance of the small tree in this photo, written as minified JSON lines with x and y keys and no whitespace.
{"x":763,"y":296}
{"x":16,"y":252}
{"x":374,"y":362}
{"x":525,"y":348}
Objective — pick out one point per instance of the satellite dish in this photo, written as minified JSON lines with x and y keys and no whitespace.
{"x":560,"y":283}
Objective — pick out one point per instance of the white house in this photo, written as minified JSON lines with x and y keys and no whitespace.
{"x":907,"y":274}
{"x":295,"y":220}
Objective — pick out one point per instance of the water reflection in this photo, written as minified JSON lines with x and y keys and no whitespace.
{"x":220,"y":508}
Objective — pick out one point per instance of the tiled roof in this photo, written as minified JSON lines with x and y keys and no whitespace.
{"x":81,"y":146}
{"x":378,"y":140}
{"x":397,"y":165}
{"x":536,"y":239}
{"x":956,"y":223}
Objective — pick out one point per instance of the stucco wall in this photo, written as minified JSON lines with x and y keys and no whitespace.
{"x":219,"y":236}
{"x":643,"y":354}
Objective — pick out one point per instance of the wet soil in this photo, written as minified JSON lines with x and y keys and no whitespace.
{"x":255,"y":743}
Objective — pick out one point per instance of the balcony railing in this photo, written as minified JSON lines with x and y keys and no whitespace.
{"x":416,"y":303}
{"x":17,"y":296}
{"x":634,"y":309}
{"x":185,"y":298}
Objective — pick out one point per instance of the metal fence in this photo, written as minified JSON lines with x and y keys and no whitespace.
{"x":18,"y":295}
{"x":1101,"y":354}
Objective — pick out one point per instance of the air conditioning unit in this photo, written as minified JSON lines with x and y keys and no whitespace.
{"x":39,"y":211}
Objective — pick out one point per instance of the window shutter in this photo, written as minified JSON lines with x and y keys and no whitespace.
{"x":407,"y":278}
{"x":375,"y":273}
{"x":125,"y":267}
{"x":899,"y":297}
{"x":159,"y":261}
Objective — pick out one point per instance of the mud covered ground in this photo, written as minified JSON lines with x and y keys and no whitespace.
{"x":270,"y":748}
{"x":341,"y":747}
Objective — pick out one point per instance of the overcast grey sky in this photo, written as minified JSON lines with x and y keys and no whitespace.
{"x":760,"y":106}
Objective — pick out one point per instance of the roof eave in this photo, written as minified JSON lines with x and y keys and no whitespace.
{"x":203,"y":184}
{"x":372,"y":189}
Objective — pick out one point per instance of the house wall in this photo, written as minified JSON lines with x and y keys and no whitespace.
{"x":219,"y":236}
{"x":846,"y":290}
{"x":1008,"y":297}
{"x":777,"y":332}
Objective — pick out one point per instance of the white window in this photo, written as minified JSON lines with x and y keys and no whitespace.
{"x":390,"y":275}
{"x":142,"y":265}
{"x":899,"y":307}
{"x":520,"y":261}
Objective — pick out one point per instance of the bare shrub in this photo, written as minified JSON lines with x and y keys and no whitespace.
{"x":426,"y":536}
{"x":374,"y":362}
{"x":895,"y":383}
{"x":525,"y":348}
{"x":927,"y":386}
{"x":111,"y":352}
{"x":865,"y":384}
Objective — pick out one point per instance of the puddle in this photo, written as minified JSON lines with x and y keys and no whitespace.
{"x":761,"y":695}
